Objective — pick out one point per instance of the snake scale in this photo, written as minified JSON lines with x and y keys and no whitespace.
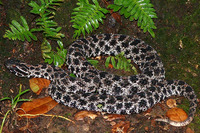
{"x":114,"y":94}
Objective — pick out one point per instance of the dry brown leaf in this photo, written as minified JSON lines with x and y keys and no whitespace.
{"x":112,"y":123}
{"x":37,"y":84}
{"x":82,"y":114}
{"x":189,"y":130}
{"x":110,"y":66}
{"x":146,"y":129}
{"x":115,"y":15}
{"x":171,"y":103}
{"x":37,"y":106}
{"x":112,"y":117}
{"x":176,"y":114}
{"x":121,"y":127}
{"x":97,"y":58}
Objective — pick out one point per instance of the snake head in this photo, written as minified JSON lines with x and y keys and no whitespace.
{"x":18,"y":68}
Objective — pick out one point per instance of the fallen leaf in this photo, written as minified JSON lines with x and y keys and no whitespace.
{"x":121,"y":127}
{"x":14,"y":51}
{"x":110,"y":66}
{"x":171,"y":103}
{"x":146,"y":129}
{"x":37,"y":84}
{"x":98,"y":58}
{"x":148,"y":111}
{"x":189,"y":130}
{"x":176,"y":114}
{"x":115,"y":15}
{"x":37,"y":106}
{"x":112,"y":123}
{"x":82,"y":114}
{"x":112,"y":117}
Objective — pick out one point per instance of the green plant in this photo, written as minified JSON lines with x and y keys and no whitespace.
{"x":45,"y":22}
{"x":51,"y":56}
{"x":120,"y":62}
{"x":87,"y":16}
{"x":14,"y":102}
{"x":20,"y":32}
{"x":93,"y":62}
{"x":45,"y":25}
{"x":141,"y":10}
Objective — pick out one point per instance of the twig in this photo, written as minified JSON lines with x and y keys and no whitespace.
{"x":49,"y":115}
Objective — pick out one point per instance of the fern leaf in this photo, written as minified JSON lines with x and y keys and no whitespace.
{"x":86,"y":17}
{"x":45,"y":22}
{"x":120,"y":62}
{"x":45,"y":5}
{"x":19,"y":32}
{"x":24,"y":23}
{"x":58,"y":58}
{"x":107,"y":61}
{"x":141,"y":10}
{"x":35,"y":6}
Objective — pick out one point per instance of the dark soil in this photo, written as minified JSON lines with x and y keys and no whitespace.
{"x":177,"y":42}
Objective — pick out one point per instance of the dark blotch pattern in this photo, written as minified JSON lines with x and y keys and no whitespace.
{"x":125,"y":44}
{"x":113,"y":42}
{"x":121,"y":38}
{"x":135,"y":42}
{"x":107,"y":37}
{"x":95,"y":39}
{"x":92,"y":87}
{"x":103,"y":74}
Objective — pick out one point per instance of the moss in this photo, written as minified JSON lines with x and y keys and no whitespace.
{"x":177,"y":40}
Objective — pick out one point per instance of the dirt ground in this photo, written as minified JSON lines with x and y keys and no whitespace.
{"x":177,"y":43}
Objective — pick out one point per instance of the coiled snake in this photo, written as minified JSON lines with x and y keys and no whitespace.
{"x":114,"y":94}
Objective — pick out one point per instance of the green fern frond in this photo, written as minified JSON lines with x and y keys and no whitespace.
{"x":120,"y":62}
{"x":46,"y":6}
{"x":140,"y":10}
{"x":58,"y":58}
{"x":20,"y":32}
{"x":86,"y":17}
{"x":46,"y":24}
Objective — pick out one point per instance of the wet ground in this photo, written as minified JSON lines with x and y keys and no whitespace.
{"x":177,"y":41}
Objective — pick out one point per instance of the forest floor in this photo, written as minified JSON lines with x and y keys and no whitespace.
{"x":177,"y":42}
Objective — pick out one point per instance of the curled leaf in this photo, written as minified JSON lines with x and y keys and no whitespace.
{"x":110,"y":66}
{"x":98,"y":58}
{"x":37,"y":84}
{"x":177,"y":114}
{"x":37,"y":106}
{"x":121,"y":127}
{"x":112,"y":117}
{"x":82,"y":114}
{"x":189,"y":130}
{"x":171,"y":103}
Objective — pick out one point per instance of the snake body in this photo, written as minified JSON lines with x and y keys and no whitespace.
{"x":97,"y":90}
